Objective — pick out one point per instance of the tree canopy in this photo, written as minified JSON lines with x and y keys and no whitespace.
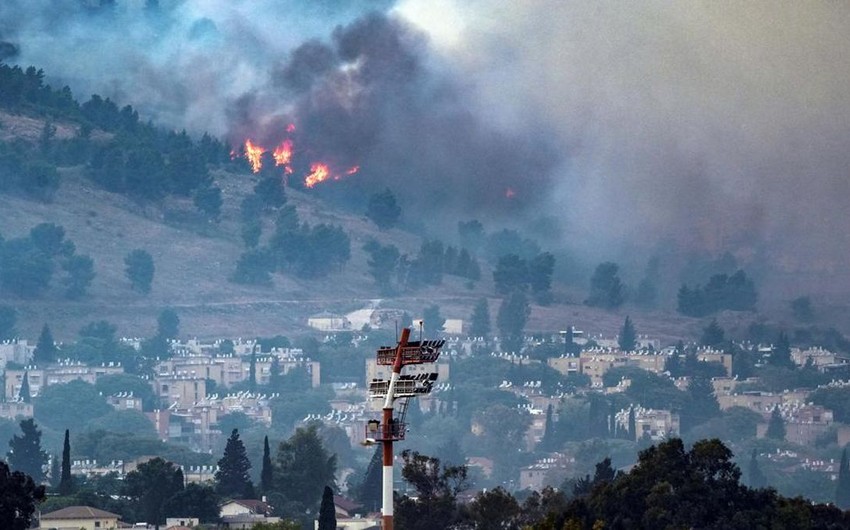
{"x":19,"y":496}
{"x":232,"y":477}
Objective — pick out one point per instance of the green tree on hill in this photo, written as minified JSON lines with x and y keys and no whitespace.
{"x":45,"y":349}
{"x":168,"y":324}
{"x":303,"y":469}
{"x":25,"y":453}
{"x":327,"y":510}
{"x":627,"y":339}
{"x":19,"y":497}
{"x":232,"y":478}
{"x":208,"y":201}
{"x":480,"y":320}
{"x":510,"y":274}
{"x":151,"y":485}
{"x":80,"y":270}
{"x":66,"y":481}
{"x":434,"y":322}
{"x":775,"y":426}
{"x":267,"y":471}
{"x":139,"y":269}
{"x":606,"y":288}
{"x":511,"y":319}
{"x":24,"y":394}
{"x":383,"y":264}
{"x":540,"y":269}
{"x":712,"y":335}
{"x":383,"y":210}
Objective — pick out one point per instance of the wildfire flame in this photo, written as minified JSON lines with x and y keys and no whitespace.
{"x":318,"y":173}
{"x":283,"y":155}
{"x":254,"y":154}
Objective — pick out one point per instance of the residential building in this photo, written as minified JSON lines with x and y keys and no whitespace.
{"x":326,"y":321}
{"x":652,"y":423}
{"x":78,"y":518}
{"x":550,"y":471}
{"x":13,"y":410}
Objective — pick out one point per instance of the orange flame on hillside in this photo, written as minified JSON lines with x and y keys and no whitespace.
{"x":254,"y":154}
{"x":318,"y":173}
{"x":283,"y":155}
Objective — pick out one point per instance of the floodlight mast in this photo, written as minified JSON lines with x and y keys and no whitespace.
{"x":387,"y":478}
{"x":392,"y":429}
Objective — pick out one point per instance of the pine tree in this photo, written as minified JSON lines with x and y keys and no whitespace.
{"x":713,"y":334}
{"x":775,"y":426}
{"x":25,"y":452}
{"x":267,"y":472}
{"x":842,"y":490}
{"x":232,"y":479}
{"x":702,"y":404}
{"x":628,"y":336}
{"x":66,"y":483}
{"x":45,"y":350}
{"x":24,"y":394}
{"x":327,"y":510}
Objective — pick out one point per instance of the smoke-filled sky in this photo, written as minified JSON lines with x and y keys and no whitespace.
{"x":712,"y":125}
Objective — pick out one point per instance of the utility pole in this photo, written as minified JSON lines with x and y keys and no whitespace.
{"x":391,"y":428}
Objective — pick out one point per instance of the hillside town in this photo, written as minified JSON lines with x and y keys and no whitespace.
{"x":201,"y":384}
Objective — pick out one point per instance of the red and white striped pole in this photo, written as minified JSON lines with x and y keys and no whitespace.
{"x":389,"y":434}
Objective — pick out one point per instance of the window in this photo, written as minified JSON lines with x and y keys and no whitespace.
{"x":97,"y":524}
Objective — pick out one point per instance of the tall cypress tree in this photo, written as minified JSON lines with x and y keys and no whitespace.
{"x":632,"y":424}
{"x":267,"y":472}
{"x":232,"y":479}
{"x":66,"y":483}
{"x":628,"y":336}
{"x":24,"y":394}
{"x":842,"y":490}
{"x":327,"y":511}
{"x":45,"y":349}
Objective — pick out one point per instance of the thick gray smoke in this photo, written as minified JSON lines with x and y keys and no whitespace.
{"x":719,"y":125}
{"x":705,"y":126}
{"x":362,"y":87}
